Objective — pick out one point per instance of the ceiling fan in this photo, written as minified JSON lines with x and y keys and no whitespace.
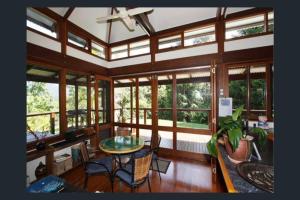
{"x":125,"y":15}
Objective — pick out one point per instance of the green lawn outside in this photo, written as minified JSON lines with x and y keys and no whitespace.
{"x":181,"y":124}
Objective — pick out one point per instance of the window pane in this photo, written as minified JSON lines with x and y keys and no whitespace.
{"x":104,"y":101}
{"x":257,"y":91}
{"x":138,"y":48}
{"x":193,"y":99}
{"x":238,"y":86}
{"x":165,"y":99}
{"x":166,"y":139}
{"x":98,"y":50}
{"x":42,"y":100}
{"x":144,"y":134}
{"x":145,"y":115}
{"x":76,"y":40}
{"x":271,"y":21}
{"x":169,"y":42}
{"x":41,"y":22}
{"x":119,"y":52}
{"x":122,"y":99}
{"x":199,"y":36}
{"x":192,"y":142}
{"x":244,"y":27}
{"x":76,"y":97}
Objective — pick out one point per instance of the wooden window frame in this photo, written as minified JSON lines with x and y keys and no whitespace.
{"x":265,"y":32}
{"x":267,"y":78}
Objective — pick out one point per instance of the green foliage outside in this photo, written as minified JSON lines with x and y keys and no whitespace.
{"x":39,"y":100}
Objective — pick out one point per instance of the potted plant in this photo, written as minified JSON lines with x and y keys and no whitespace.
{"x":237,"y":140}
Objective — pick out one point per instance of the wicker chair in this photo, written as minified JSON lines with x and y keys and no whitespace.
{"x":95,"y":167}
{"x":155,"y":152}
{"x":137,"y":172}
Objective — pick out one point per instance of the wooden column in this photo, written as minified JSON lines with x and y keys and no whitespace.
{"x":76,"y":105}
{"x":153,"y":48}
{"x":137,"y":106}
{"x":89,"y":104}
{"x":220,"y":34}
{"x":154,"y":110}
{"x":269,"y":91}
{"x":62,"y":101}
{"x":174,"y":112}
{"x":95,"y":139}
{"x":131,"y":103}
{"x":63,"y":36}
{"x":112,"y":107}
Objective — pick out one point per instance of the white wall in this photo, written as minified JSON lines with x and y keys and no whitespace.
{"x":31,"y":166}
{"x":129,"y":61}
{"x":248,"y":43}
{"x":85,"y":56}
{"x":188,"y":52}
{"x":42,"y":41}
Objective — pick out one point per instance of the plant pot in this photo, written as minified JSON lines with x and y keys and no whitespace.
{"x":243,"y":152}
{"x":40,"y":145}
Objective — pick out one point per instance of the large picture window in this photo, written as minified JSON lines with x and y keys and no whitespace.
{"x":42,"y":110}
{"x":248,"y":87}
{"x":193,"y":100}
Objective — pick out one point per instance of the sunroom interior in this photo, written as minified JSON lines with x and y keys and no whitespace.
{"x":162,"y":77}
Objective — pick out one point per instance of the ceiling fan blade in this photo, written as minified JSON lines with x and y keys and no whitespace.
{"x":103,"y":19}
{"x":136,"y":11}
{"x":129,"y":23}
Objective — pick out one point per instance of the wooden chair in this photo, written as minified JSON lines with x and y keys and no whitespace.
{"x":95,"y":167}
{"x":137,"y":172}
{"x":155,"y":152}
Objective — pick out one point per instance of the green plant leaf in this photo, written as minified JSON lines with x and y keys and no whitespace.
{"x":262,"y":135}
{"x":237,"y":113}
{"x":211,"y":145}
{"x":234,"y":137}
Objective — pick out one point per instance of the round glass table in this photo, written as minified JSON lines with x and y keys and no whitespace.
{"x":121,"y":144}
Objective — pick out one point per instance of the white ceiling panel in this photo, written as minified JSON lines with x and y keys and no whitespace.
{"x":85,"y":17}
{"x":120,"y":32}
{"x":59,"y":10}
{"x":236,"y":9}
{"x":164,"y":18}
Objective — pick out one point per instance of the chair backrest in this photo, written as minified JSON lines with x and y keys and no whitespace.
{"x":89,"y":131}
{"x":84,"y":152}
{"x":155,"y":149}
{"x":123,"y":131}
{"x":141,"y":167}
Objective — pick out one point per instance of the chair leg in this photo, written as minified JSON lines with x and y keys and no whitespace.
{"x":112,"y":183}
{"x":149,"y":187}
{"x":85,"y":181}
{"x":158,"y":169}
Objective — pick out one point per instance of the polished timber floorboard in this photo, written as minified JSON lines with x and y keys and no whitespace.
{"x":183,"y":175}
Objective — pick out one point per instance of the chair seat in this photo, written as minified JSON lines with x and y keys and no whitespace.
{"x":95,"y":168}
{"x":126,"y":176}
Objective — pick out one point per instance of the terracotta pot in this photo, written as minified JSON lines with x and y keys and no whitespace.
{"x":243,"y":152}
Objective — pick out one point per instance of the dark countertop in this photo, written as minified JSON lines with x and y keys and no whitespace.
{"x":239,"y":183}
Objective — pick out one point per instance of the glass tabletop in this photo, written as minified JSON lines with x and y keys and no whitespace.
{"x":121,"y":144}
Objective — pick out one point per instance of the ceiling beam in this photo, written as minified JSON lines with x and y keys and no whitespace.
{"x":219,"y":11}
{"x":224,"y":12}
{"x":110,"y":25}
{"x":69,"y":12}
{"x":145,"y":19}
{"x":143,"y":25}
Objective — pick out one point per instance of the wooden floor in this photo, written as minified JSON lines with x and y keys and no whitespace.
{"x":183,"y":175}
